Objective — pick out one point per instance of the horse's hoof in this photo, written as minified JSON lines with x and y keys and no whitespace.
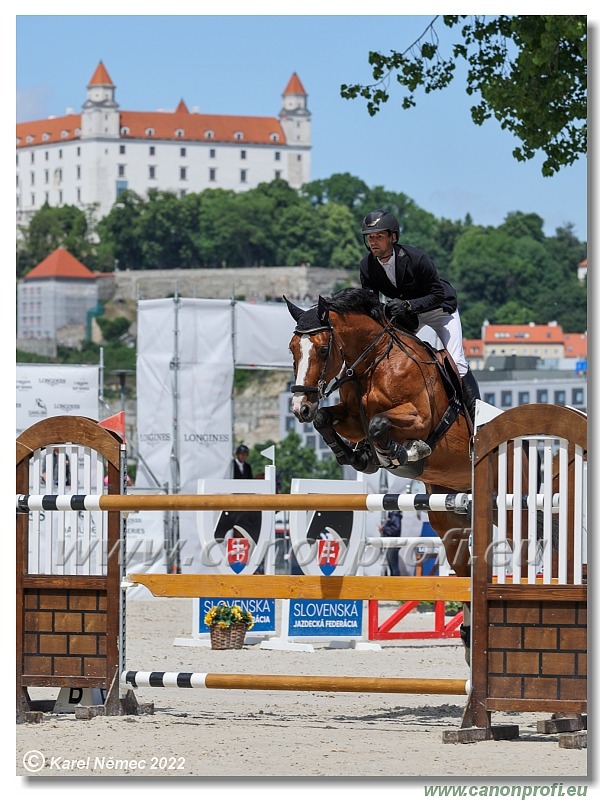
{"x":418,"y":450}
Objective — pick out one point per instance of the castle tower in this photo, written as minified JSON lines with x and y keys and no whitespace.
{"x":294,"y":115}
{"x":100,"y":115}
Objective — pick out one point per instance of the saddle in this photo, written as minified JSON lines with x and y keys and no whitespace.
{"x":451,"y":381}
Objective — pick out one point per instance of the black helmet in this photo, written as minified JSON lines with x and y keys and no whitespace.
{"x":242,"y":449}
{"x":380,"y":221}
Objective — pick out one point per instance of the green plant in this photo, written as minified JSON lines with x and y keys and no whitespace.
{"x":224,"y":616}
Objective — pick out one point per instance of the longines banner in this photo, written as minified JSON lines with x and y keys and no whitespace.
{"x":51,"y":390}
{"x":187,"y":353}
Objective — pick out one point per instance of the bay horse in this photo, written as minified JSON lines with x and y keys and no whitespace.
{"x":398,"y":405}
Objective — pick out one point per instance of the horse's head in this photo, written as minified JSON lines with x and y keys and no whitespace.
{"x":315,"y":362}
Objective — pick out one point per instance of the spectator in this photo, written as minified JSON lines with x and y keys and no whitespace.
{"x":241,"y":469}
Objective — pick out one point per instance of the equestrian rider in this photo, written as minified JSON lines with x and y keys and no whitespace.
{"x":415,"y":293}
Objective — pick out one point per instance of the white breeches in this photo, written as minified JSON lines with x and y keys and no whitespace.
{"x":448,"y":329}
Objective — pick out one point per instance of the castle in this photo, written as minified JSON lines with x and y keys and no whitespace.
{"x":88,"y":159}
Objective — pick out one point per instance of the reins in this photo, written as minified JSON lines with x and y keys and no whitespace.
{"x":348,"y":373}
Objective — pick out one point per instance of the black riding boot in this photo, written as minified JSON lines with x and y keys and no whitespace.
{"x":470,"y":392}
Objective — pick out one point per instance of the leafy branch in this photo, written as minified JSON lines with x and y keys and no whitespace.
{"x":529,"y":72}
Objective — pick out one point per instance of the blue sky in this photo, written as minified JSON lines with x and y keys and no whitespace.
{"x":236,"y":64}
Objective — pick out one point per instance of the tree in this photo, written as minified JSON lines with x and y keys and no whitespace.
{"x":293,"y":460}
{"x":66,"y":226}
{"x":530,"y":72}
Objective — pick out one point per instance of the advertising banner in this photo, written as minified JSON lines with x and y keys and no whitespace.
{"x":52,"y":390}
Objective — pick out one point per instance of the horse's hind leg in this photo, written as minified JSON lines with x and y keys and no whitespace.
{"x":360,"y":458}
{"x":391,"y":453}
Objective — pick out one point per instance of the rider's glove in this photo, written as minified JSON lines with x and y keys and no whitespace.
{"x":400,"y":311}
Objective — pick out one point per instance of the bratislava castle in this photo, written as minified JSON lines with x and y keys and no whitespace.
{"x":88,"y":159}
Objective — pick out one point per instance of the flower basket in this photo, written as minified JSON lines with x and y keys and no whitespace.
{"x":228,"y":626}
{"x":228,"y":638}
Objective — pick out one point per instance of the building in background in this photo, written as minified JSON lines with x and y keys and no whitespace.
{"x":56,"y":301}
{"x":87,"y":159}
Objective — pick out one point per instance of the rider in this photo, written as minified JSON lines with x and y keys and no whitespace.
{"x":418,"y":295}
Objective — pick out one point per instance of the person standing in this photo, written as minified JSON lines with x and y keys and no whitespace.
{"x":415,"y":294}
{"x":241,"y":469}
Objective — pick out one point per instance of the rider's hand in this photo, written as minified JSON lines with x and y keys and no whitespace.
{"x":400,"y":311}
{"x":397,"y":307}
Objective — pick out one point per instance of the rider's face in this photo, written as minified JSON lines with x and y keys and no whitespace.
{"x":380,"y":243}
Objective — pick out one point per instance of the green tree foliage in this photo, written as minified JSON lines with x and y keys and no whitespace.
{"x":528,"y":71}
{"x":513,"y":274}
{"x":66,"y":227}
{"x":113,"y":329}
{"x":293,"y":460}
{"x":503,"y":273}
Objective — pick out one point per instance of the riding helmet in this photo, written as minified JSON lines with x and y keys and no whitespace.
{"x":242,"y":449}
{"x":379,"y":221}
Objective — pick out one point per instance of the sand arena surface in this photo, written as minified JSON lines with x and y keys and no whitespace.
{"x":245,"y":734}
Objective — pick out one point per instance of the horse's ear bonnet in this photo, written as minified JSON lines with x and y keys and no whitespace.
{"x":307,"y":321}
{"x":323,"y":311}
{"x":293,"y":310}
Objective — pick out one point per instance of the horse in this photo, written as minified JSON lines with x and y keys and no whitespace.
{"x":398,"y":404}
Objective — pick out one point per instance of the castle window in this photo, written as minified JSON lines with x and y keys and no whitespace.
{"x":122,"y":149}
{"x":45,"y":137}
{"x":212,"y":153}
{"x":183,"y":152}
{"x":274,"y":137}
{"x":179,"y":133}
{"x":125,"y":131}
{"x":243,"y":176}
{"x":209,"y":134}
{"x":150,"y":132}
{"x":243,"y":155}
{"x":238,"y":136}
{"x":277,"y":155}
{"x":64,"y":134}
{"x":212,"y":174}
{"x":152,"y":150}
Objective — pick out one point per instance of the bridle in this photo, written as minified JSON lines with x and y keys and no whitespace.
{"x":346,"y":373}
{"x":319,"y":388}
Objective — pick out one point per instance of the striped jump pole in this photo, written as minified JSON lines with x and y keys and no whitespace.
{"x":293,"y":683}
{"x":459,"y":503}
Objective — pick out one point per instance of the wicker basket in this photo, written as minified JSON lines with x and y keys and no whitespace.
{"x":228,"y":638}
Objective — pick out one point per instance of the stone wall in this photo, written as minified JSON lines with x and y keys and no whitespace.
{"x":255,"y":283}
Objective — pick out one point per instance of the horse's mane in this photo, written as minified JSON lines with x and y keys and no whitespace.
{"x":362,"y":300}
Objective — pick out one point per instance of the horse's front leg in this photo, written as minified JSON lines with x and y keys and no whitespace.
{"x":360,"y":458}
{"x":404,"y":450}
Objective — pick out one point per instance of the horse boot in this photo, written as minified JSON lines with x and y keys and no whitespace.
{"x":470,"y":393}
{"x":359,"y":458}
{"x":398,"y":455}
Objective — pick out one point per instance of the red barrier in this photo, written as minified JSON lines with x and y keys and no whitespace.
{"x":441,"y":630}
